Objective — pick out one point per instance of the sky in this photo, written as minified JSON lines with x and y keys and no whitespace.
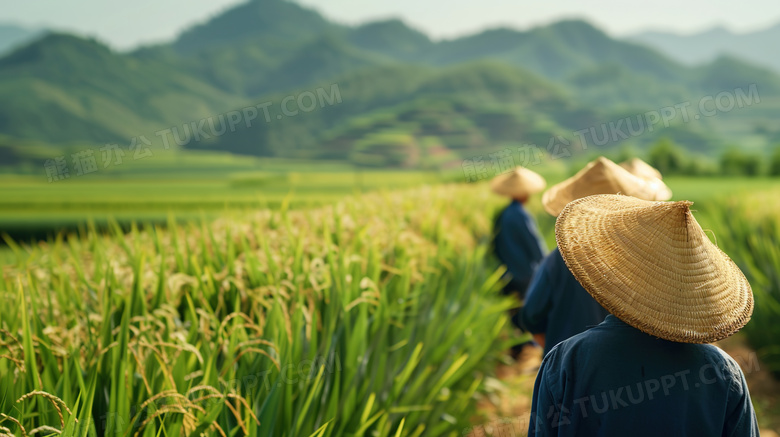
{"x":124,"y":24}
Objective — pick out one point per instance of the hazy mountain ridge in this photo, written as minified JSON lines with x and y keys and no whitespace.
{"x":759,"y":47}
{"x":12,"y":36}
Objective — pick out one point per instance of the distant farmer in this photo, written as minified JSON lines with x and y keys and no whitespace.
{"x":518,"y":244}
{"x":645,"y":171}
{"x":646,"y":370}
{"x":556,"y":306}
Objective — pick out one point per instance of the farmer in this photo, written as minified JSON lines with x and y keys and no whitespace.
{"x":517,"y":243}
{"x":646,"y":370}
{"x":556,"y":306}
{"x":645,"y":171}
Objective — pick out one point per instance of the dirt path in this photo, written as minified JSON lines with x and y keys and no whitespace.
{"x":506,"y":410}
{"x":764,"y":388}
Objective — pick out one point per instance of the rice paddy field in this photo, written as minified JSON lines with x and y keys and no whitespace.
{"x":190,"y":186}
{"x":296,"y":303}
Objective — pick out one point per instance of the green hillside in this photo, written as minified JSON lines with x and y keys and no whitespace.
{"x":728,"y":73}
{"x":461,"y":110}
{"x":326,"y":57}
{"x":556,"y":50}
{"x":392,"y":38}
{"x":64,"y":89}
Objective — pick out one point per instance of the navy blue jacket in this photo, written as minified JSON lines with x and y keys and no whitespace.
{"x":556,"y":304}
{"x":518,"y":244}
{"x":615,"y":380}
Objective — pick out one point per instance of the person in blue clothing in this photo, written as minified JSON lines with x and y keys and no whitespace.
{"x":556,"y":306}
{"x":517,"y":242}
{"x":647,"y":369}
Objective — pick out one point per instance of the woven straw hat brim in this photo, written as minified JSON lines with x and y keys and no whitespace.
{"x":521,"y":182}
{"x":601,"y":176}
{"x":652,"y":266}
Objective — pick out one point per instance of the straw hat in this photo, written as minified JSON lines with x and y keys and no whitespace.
{"x":601,"y":176}
{"x":651,"y":265}
{"x":519,"y":183}
{"x":637,"y":167}
{"x":643,"y":170}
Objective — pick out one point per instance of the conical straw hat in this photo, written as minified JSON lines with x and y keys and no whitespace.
{"x":652,"y":266}
{"x":519,"y":183}
{"x":637,"y":167}
{"x":601,"y":176}
{"x":643,"y":170}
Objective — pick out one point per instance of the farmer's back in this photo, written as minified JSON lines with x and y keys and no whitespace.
{"x":651,"y":386}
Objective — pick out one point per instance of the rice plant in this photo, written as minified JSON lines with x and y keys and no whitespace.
{"x":375,"y":316}
{"x":748,"y":230}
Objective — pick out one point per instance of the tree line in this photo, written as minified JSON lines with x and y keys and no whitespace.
{"x":671,"y":159}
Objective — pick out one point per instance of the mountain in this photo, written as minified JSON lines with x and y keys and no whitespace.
{"x":459,"y":109}
{"x":555,"y":51}
{"x":12,"y":36}
{"x":261,"y":66}
{"x":248,"y":50}
{"x":62,"y":88}
{"x":327,"y":56}
{"x":611,"y":84}
{"x":264,"y":46}
{"x":269,"y":20}
{"x":759,"y":47}
{"x":399,"y":93}
{"x":727,"y":73}
{"x":260,"y":62}
{"x":392,"y":38}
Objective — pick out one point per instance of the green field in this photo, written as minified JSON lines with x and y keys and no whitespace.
{"x":283,"y":266}
{"x":168,"y":329}
{"x":188,"y":186}
{"x":207,"y":185}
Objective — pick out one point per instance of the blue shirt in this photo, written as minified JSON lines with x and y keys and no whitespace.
{"x":556,"y":304}
{"x":518,"y":244}
{"x":615,"y":380}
